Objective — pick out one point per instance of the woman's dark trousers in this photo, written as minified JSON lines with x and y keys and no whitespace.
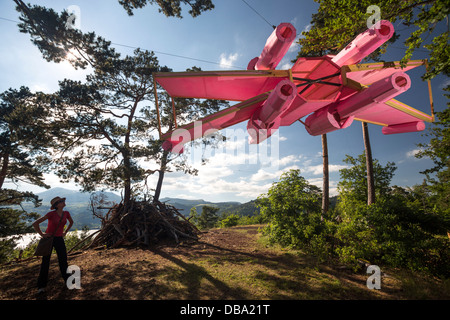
{"x":60,"y":248}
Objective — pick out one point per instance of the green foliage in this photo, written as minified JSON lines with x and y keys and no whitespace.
{"x":438,"y":150}
{"x":353,"y":181}
{"x":391,"y":232}
{"x":12,"y":222}
{"x":230,"y":221}
{"x":208,"y":218}
{"x":337,"y":22}
{"x":171,"y":8}
{"x":399,"y":230}
{"x":293,"y":208}
{"x":49,"y":33}
{"x":24,"y":136}
{"x":15,"y":221}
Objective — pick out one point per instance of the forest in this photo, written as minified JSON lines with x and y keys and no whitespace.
{"x":96,"y":133}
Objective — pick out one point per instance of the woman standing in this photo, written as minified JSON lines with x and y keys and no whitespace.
{"x":57,"y":219}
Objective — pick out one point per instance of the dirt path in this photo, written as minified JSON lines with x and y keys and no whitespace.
{"x":225,"y":264}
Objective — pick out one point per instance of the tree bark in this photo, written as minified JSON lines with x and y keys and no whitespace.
{"x":127,"y":180}
{"x":4,"y":169}
{"x":369,"y":165}
{"x":126,"y":155}
{"x":326,"y":178}
{"x":161,"y":176}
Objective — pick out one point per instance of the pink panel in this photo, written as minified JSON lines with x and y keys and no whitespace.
{"x":220,"y":85}
{"x":214,"y":122}
{"x":365,"y":43}
{"x":314,"y":69}
{"x":384,"y":114}
{"x":306,"y":64}
{"x":403,"y":128}
{"x":368,"y":77}
{"x":300,"y":108}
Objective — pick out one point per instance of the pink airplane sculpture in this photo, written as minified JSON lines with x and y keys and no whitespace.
{"x":332,"y":90}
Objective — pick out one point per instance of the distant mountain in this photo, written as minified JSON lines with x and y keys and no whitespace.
{"x":77,"y":203}
{"x":184,"y":205}
{"x":72,"y":196}
{"x":245,"y":209}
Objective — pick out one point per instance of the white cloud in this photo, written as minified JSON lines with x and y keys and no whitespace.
{"x":262,"y":175}
{"x":307,"y":28}
{"x":318,"y":169}
{"x":285,"y":65}
{"x":240,"y":188}
{"x":295,"y":46}
{"x":412,"y":153}
{"x":444,"y":84}
{"x":210,"y":173}
{"x":285,"y":161}
{"x":227,"y":61}
{"x":332,"y":185}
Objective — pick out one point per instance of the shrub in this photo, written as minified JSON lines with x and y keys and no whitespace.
{"x":230,"y":221}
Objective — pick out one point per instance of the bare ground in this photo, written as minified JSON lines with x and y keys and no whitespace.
{"x":230,"y":263}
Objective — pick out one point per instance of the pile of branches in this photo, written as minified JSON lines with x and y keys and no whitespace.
{"x":141,"y":223}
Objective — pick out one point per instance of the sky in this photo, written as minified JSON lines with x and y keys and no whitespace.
{"x":225,"y":38}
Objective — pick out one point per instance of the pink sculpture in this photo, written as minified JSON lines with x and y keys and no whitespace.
{"x":332,"y":91}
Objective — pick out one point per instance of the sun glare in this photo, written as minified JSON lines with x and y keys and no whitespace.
{"x":67,"y":70}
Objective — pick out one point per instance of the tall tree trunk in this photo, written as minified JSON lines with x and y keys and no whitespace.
{"x":326,"y":178}
{"x":369,"y":165}
{"x":4,"y":169}
{"x":127,"y":155}
{"x":127,"y":181}
{"x":162,"y":171}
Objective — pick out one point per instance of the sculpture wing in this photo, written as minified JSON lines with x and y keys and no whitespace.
{"x":369,"y":73}
{"x":220,"y":85}
{"x":240,"y":112}
{"x":395,"y":117}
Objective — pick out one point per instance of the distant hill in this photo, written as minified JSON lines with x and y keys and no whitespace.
{"x":72,"y":196}
{"x":185,"y":205}
{"x":77,"y":203}
{"x":244,"y":209}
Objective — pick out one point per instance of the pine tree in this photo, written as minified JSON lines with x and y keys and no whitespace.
{"x":171,"y":8}
{"x":24,"y":137}
{"x":109,"y":124}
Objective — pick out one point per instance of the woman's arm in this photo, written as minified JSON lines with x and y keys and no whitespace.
{"x":69,"y":226}
{"x":38,"y":229}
